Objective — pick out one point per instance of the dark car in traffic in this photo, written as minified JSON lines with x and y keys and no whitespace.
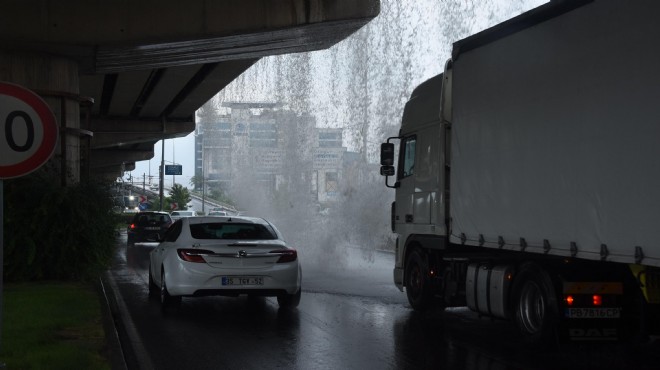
{"x":147,"y":226}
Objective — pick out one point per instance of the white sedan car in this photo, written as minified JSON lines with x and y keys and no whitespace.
{"x":229,"y":256}
{"x":181,"y":214}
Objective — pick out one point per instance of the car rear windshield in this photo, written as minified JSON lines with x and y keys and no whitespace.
{"x":151,"y":219}
{"x":232,"y":230}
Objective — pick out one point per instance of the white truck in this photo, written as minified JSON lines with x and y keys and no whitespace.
{"x":527,"y":183}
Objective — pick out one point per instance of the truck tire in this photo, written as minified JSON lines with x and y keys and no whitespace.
{"x":535,"y":307}
{"x":417,"y":282}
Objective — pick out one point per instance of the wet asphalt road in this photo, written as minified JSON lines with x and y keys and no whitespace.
{"x":351,"y":316}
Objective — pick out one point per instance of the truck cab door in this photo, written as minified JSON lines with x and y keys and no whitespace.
{"x":418,"y":197}
{"x":406,"y":182}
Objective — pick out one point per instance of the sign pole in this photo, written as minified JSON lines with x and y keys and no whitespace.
{"x":28,"y":141}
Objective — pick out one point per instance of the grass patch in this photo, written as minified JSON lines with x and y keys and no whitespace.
{"x":52,"y":326}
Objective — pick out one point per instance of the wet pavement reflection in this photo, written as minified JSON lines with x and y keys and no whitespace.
{"x":350,"y":317}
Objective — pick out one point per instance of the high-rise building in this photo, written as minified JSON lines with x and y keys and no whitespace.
{"x":270,"y":147}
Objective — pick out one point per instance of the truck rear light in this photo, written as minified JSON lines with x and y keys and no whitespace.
{"x":193,"y":255}
{"x":597,"y":300}
{"x":569,"y":300}
{"x":286,"y":255}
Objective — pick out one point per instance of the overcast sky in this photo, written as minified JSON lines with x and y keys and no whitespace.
{"x":180,"y":150}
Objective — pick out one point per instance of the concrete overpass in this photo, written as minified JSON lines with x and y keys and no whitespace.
{"x":122,"y":74}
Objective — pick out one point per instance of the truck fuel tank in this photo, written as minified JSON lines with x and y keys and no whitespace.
{"x":487,"y":288}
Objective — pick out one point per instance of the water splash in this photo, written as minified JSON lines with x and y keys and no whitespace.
{"x":361,"y":84}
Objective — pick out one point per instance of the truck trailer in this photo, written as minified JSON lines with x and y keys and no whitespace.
{"x":527,"y":180}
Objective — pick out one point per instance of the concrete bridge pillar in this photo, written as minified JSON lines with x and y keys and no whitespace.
{"x":56,"y":80}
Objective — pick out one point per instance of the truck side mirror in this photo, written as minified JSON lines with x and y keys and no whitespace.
{"x":387,"y":170}
{"x":386,"y":155}
{"x":387,"y":162}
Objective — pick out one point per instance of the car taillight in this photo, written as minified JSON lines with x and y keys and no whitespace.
{"x":286,"y":255}
{"x":132,"y":226}
{"x":193,"y":255}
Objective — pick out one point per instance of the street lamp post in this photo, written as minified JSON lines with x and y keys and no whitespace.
{"x":203,"y":182}
{"x":161,"y":173}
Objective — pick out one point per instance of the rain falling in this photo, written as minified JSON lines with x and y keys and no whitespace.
{"x":360,"y":85}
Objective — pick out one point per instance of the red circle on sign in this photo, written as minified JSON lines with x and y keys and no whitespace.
{"x":48,"y":125}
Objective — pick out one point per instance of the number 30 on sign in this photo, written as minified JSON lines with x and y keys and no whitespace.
{"x":28,"y":131}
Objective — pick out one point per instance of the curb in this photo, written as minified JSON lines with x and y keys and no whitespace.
{"x":115,"y":351}
{"x":126,"y":349}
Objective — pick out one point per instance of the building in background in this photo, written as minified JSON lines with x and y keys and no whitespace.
{"x":263,"y":145}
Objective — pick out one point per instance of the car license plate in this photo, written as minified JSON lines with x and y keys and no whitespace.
{"x":243,"y":280}
{"x":594,"y":313}
{"x":152,"y":228}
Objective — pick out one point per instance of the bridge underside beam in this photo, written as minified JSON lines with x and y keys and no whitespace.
{"x":108,"y":158}
{"x":118,"y":35}
{"x":120,"y":133}
{"x":140,"y":61}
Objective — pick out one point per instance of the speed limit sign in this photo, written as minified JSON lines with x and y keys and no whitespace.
{"x":28,"y":131}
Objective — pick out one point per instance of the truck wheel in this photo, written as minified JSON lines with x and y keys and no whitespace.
{"x":417,"y":282}
{"x":535,"y":305}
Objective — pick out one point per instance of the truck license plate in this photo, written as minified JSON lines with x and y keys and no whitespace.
{"x":594,"y":313}
{"x":243,"y":280}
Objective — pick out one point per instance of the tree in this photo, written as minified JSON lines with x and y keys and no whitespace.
{"x":217,"y":193}
{"x":154,"y":204}
{"x":54,"y":232}
{"x":180,"y":195}
{"x":197,"y":182}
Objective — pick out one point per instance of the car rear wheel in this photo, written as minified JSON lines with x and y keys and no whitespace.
{"x":153,"y":288}
{"x":167,"y":300}
{"x":289,"y":300}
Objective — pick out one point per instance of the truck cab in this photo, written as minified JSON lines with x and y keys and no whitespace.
{"x":418,"y":212}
